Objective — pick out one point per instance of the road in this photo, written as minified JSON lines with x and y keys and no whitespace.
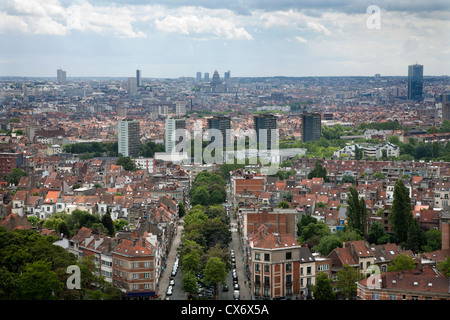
{"x":179,"y":294}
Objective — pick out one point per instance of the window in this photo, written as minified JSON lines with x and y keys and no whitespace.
{"x":375,"y":296}
{"x":392,"y":296}
{"x":266,"y":257}
{"x":147,"y":275}
{"x":257,"y":256}
{"x":288,"y":255}
{"x":308,"y":270}
{"x":257,"y":267}
{"x":288,"y":266}
{"x":266,"y":268}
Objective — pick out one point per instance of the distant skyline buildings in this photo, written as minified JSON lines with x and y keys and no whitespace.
{"x":61,"y":75}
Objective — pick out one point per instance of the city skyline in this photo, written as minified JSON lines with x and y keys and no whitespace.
{"x":97,"y":38}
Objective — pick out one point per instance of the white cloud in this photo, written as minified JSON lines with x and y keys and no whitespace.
{"x":209,"y":23}
{"x":300,"y":39}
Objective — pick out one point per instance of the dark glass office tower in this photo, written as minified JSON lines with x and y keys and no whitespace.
{"x":222,"y":124}
{"x":265,"y":121}
{"x":311,"y":126}
{"x":415,"y":82}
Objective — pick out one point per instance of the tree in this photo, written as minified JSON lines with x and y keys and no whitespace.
{"x":402,"y":262}
{"x":189,"y":282}
{"x":200,"y":196}
{"x":401,"y":213}
{"x":191,"y":262}
{"x":357,"y":213}
{"x":416,"y":237}
{"x":215,"y":271}
{"x":323,"y":290}
{"x":346,"y":178}
{"x":38,"y":282}
{"x":318,"y":172}
{"x":127,"y":163}
{"x":346,"y":281}
{"x":327,"y":244}
{"x":15,"y":175}
{"x":283,"y":205}
{"x":181,"y":210}
{"x":377,"y":234}
{"x":108,"y":224}
{"x":444,"y":267}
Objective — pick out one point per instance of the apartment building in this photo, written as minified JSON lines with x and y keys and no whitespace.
{"x":136,"y":265}
{"x":275,"y":267}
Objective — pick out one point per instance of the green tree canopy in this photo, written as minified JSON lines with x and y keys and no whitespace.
{"x":401,"y":214}
{"x":323,"y":290}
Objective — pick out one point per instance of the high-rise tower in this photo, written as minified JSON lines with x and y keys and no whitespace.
{"x":415,"y":82}
{"x":129,"y":137}
{"x":268,"y":122}
{"x":311,"y":126}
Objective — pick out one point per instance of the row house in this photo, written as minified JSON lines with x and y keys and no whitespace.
{"x":280,"y":268}
{"x":424,"y":284}
{"x":132,"y":264}
{"x":137,"y":266}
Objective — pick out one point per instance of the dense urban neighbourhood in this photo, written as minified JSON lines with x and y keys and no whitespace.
{"x":358,"y":212}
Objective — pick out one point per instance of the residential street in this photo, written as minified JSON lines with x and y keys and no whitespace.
{"x":179,"y":294}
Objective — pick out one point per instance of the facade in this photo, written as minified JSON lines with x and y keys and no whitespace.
{"x":129,"y":137}
{"x":171,"y":136}
{"x":415,"y":82}
{"x":266,"y":122}
{"x":10,"y":161}
{"x":311,"y":127}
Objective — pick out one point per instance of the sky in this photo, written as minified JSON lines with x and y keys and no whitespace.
{"x":249,"y":38}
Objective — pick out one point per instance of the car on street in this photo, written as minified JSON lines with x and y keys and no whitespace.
{"x":236,"y":286}
{"x":236,"y":295}
{"x":169,"y":291}
{"x":225,"y":288}
{"x":172,"y":282}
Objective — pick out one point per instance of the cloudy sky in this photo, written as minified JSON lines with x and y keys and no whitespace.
{"x":175,"y":38}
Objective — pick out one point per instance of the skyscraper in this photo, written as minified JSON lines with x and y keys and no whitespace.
{"x":171,"y":136}
{"x":415,"y":82}
{"x":227,"y":75}
{"x":268,"y":122}
{"x":61,"y":75}
{"x":311,"y":126}
{"x":221,"y":124}
{"x":199,"y":76}
{"x":129,"y":137}
{"x":206,"y":76}
{"x":132,"y":86}
{"x":138,"y":77}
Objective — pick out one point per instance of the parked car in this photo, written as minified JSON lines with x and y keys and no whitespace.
{"x":236,"y":295}
{"x":169,"y":291}
{"x":172,"y":282}
{"x":236,"y":286}
{"x":225,"y":288}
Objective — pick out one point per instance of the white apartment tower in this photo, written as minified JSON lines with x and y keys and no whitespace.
{"x":129,"y":137}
